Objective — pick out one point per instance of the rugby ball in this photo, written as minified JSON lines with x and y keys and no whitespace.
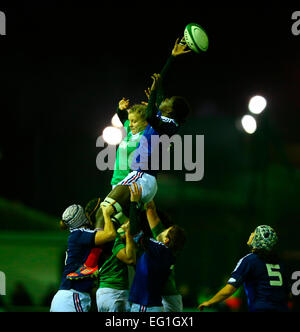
{"x":196,"y":38}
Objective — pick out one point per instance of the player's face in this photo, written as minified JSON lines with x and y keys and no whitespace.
{"x":136,"y":124}
{"x":163,"y":236}
{"x":250,"y":238}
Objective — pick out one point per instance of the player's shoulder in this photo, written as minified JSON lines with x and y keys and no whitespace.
{"x":78,"y":232}
{"x":157,"y":243}
{"x":159,"y":246}
{"x":169,"y":120}
{"x":81,"y":230}
{"x":244,"y":260}
{"x":249,"y":257}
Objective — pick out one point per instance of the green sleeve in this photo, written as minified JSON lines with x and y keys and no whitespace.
{"x":118,"y":245}
{"x":159,"y":228}
{"x":126,"y":126}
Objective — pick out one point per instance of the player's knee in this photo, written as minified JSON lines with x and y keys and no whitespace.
{"x":121,"y":194}
{"x":120,"y":214}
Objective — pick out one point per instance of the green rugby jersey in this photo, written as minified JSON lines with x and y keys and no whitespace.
{"x":125,"y":154}
{"x":114,"y":273}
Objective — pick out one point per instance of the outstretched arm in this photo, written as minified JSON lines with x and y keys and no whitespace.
{"x":222,"y":295}
{"x":156,"y":93}
{"x":134,"y":212}
{"x":122,"y":110}
{"x":152,"y":216}
{"x":162,"y":127}
{"x":154,"y":221}
{"x":178,"y":49}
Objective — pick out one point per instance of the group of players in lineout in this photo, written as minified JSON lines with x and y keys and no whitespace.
{"x":129,"y":247}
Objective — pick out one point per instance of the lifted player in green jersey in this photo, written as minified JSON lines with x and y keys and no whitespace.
{"x":134,"y":122}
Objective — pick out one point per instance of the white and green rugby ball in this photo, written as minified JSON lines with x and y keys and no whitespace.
{"x":196,"y":38}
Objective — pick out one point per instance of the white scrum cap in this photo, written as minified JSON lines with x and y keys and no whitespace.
{"x":74,"y":216}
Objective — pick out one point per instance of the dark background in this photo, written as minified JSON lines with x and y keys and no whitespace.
{"x":64,"y":67}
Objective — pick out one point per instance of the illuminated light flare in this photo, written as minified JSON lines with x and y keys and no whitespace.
{"x":115,"y":121}
{"x":112,"y":135}
{"x":257,"y":104}
{"x":249,"y":124}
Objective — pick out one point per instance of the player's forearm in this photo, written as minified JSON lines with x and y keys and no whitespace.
{"x":109,"y":228}
{"x":151,"y":107}
{"x":151,"y":115}
{"x":167,"y":67}
{"x":134,"y":217}
{"x":152,"y":217}
{"x":163,"y":74}
{"x":222,"y":295}
{"x":122,"y":114}
{"x":130,"y":249}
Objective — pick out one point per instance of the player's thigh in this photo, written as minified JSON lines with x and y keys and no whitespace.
{"x":149,"y":187}
{"x":121,"y":194}
{"x":70,"y":301}
{"x":112,"y":300}
{"x":146,"y":181}
{"x":141,"y":308}
{"x":106,"y":300}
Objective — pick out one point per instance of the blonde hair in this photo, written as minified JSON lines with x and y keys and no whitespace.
{"x":140,"y":110}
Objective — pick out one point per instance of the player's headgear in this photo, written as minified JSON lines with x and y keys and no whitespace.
{"x":74,"y":217}
{"x":264,"y":238}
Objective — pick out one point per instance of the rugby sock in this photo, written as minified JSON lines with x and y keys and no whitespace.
{"x":92,"y":260}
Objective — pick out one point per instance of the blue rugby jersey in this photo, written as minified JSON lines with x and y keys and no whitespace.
{"x":80,"y":243}
{"x":149,"y":142}
{"x":152,"y":271}
{"x":264,"y":284}
{"x":157,"y":125}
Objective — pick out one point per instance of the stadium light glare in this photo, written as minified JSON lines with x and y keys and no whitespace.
{"x":112,"y":135}
{"x":115,"y":121}
{"x":249,"y":124}
{"x":257,"y":104}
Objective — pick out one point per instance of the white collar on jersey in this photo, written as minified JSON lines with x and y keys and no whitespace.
{"x":166,"y":119}
{"x":82,"y":229}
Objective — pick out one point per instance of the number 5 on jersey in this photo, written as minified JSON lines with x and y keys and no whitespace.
{"x":273,"y":271}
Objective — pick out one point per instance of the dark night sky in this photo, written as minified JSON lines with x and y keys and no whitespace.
{"x":64,"y":68}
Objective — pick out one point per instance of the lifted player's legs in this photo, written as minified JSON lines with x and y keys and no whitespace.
{"x":120,"y":194}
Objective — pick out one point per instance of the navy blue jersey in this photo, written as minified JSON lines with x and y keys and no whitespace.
{"x":157,"y":125}
{"x":152,"y":271}
{"x":264,"y":283}
{"x":80,"y":243}
{"x":143,"y":160}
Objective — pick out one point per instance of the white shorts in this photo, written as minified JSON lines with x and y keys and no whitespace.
{"x":112,"y":300}
{"x":172,"y":303}
{"x":142,"y":308}
{"x":146,"y":181}
{"x":70,"y":301}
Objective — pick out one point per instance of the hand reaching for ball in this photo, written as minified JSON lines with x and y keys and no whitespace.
{"x":180,"y":48}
